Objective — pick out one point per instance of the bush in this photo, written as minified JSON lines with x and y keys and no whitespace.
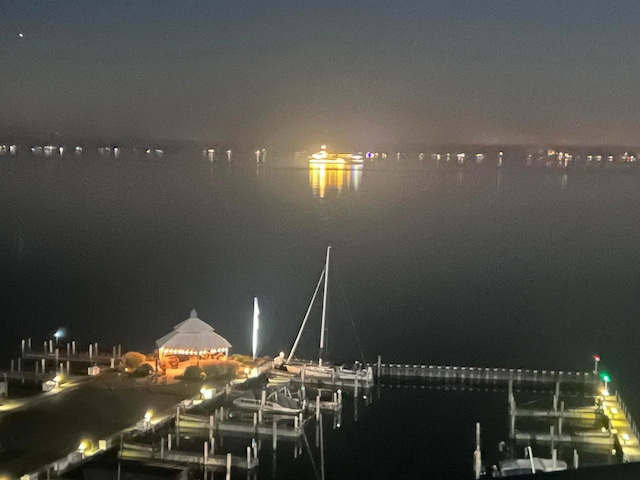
{"x":132,"y":360}
{"x":143,"y":370}
{"x":244,"y":359}
{"x":193,"y":373}
{"x":220,"y":371}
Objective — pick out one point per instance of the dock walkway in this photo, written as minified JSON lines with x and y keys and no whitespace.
{"x":401,"y":373}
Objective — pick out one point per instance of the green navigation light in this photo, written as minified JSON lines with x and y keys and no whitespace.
{"x":605,"y":377}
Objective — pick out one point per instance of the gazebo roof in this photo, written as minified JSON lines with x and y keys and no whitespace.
{"x":193,"y":335}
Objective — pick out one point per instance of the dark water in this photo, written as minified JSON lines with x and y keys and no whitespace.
{"x":477,"y":266}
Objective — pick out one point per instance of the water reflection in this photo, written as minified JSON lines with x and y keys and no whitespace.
{"x":327,"y":179}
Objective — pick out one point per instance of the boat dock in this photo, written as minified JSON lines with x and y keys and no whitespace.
{"x":606,"y":425}
{"x":404,"y":373}
{"x":41,"y":365}
{"x":195,"y":435}
{"x":142,"y":452}
{"x":54,"y":353}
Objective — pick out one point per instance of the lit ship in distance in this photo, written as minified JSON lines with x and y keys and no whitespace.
{"x":324,"y":157}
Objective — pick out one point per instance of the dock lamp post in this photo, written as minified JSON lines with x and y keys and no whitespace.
{"x":59,"y":334}
{"x":82,"y":448}
{"x":147,"y":420}
{"x":596,"y":360}
{"x":606,"y":378}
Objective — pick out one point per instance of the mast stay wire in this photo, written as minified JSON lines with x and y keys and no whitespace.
{"x":346,"y":301}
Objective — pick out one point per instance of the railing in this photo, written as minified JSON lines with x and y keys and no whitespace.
{"x":627,"y":415}
{"x":486,"y":373}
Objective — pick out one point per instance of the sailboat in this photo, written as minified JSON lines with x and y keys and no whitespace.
{"x":322,"y":371}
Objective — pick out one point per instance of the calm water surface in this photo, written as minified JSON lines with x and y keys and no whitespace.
{"x":476,"y":266}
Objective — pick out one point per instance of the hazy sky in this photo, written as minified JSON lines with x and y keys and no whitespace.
{"x":357,"y":72}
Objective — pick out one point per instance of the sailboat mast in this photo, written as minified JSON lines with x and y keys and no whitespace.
{"x":324,"y":305}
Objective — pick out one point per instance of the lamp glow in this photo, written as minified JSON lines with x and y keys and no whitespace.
{"x":256,"y":326}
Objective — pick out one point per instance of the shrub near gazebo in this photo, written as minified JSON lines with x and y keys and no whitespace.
{"x":225,"y":370}
{"x":192,"y":372}
{"x":132,"y":360}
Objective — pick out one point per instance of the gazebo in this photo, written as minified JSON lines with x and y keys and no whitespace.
{"x":192,"y":337}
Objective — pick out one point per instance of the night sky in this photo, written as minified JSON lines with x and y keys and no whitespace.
{"x":358,"y":73}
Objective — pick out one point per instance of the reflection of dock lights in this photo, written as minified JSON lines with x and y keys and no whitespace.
{"x":614,"y":411}
{"x":625,"y":438}
{"x":605,"y":393}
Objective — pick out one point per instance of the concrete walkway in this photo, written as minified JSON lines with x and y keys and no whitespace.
{"x":622,"y":427}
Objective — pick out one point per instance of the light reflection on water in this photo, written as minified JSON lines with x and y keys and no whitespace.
{"x":333,"y":179}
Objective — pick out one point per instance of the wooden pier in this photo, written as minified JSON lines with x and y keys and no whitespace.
{"x":209,"y":426}
{"x":135,"y":451}
{"x":69,"y":352}
{"x":405,"y":373}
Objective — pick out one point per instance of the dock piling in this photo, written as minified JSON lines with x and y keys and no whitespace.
{"x":205,"y":456}
{"x":318,"y":406}
{"x":73,"y":347}
{"x":248,"y":457}
{"x":575,"y":459}
{"x":379,"y":366}
{"x":23,"y":347}
{"x":355,"y":387}
{"x":228,"y":476}
{"x":168,"y":441}
{"x":12,"y":365}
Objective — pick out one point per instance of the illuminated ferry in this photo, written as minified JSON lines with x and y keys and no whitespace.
{"x":324,"y":157}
